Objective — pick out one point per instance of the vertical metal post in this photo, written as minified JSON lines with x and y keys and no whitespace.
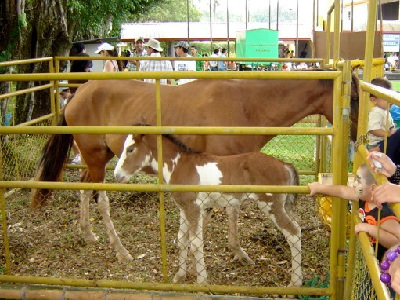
{"x":328,"y":39}
{"x":315,"y":15}
{"x":339,"y":206}
{"x":161,"y":181}
{"x":56,"y":94}
{"x":54,"y":109}
{"x":352,"y":19}
{"x":247,"y":13}
{"x":6,"y":243}
{"x":227,"y":22}
{"x":297,"y":29}
{"x":277,"y":15}
{"x":364,"y":96}
{"x":269,"y":14}
{"x":336,"y":32}
{"x":211,"y":39}
{"x":188,"y":20}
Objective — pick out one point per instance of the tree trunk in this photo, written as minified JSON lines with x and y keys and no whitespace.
{"x":45,"y":35}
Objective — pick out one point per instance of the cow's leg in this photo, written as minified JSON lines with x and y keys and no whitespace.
{"x":115,"y":242}
{"x":233,"y":236}
{"x":275,"y":210}
{"x":183,"y":245}
{"x":86,"y":228}
{"x":195,"y":220}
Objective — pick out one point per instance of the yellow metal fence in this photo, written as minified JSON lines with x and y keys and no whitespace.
{"x":140,"y":282}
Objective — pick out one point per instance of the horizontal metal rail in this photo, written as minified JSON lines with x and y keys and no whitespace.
{"x":37,"y":120}
{"x":166,"y":130}
{"x":217,"y":289}
{"x":305,"y":75}
{"x":25,"y":61}
{"x":25,"y":91}
{"x":155,"y":187}
{"x":389,"y":95}
{"x":208,"y":58}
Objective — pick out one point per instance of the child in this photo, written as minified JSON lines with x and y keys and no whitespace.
{"x":377,"y":118}
{"x":361,"y":191}
{"x":64,"y":93}
{"x":377,"y":128}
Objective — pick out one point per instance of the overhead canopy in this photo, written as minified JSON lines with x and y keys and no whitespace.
{"x":201,"y":31}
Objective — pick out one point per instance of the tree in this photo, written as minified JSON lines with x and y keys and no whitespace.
{"x":169,"y":11}
{"x":46,"y":28}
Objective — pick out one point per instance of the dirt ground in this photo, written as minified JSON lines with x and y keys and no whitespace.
{"x":49,"y":242}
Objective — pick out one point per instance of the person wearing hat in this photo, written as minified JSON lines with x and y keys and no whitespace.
{"x":153,"y":49}
{"x":64,"y":93}
{"x":182,"y":50}
{"x":107,"y":50}
{"x":138,"y":51}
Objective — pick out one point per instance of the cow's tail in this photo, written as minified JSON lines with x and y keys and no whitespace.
{"x":51,"y":163}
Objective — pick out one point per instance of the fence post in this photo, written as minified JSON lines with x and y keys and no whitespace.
{"x":53,"y":91}
{"x":339,"y":206}
{"x":4,"y":216}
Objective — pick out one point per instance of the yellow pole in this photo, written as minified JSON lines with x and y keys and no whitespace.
{"x":56,"y":94}
{"x":345,"y":140}
{"x":338,"y":205}
{"x":336,"y":31}
{"x":54,"y":109}
{"x":328,"y":39}
{"x":6,"y":244}
{"x":161,"y":181}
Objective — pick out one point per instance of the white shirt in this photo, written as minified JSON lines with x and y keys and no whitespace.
{"x":155,"y":65}
{"x":377,"y":120}
{"x":185,"y":65}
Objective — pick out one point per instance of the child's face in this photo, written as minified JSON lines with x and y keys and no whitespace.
{"x":362,"y":189}
{"x":65,"y":94}
{"x":379,"y":102}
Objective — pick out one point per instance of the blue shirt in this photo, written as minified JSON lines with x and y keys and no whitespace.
{"x":395,"y":112}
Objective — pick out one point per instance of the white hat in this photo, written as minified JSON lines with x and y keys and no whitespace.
{"x":63,"y":88}
{"x":104,"y":46}
{"x":153,"y":43}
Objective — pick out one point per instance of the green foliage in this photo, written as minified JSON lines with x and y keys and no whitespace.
{"x":169,"y":11}
{"x":100,"y":18}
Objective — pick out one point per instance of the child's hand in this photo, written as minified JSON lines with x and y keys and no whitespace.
{"x":314,"y":188}
{"x":361,"y":227}
{"x":387,"y":167}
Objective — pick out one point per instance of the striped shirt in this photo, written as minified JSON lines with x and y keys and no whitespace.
{"x":155,"y":65}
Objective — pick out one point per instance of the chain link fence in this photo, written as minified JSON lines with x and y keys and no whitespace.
{"x":48,"y":242}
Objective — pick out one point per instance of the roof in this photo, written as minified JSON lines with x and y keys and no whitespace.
{"x":202,"y":31}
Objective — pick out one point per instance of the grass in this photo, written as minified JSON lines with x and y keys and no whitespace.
{"x":298,"y":150}
{"x":396,"y":85}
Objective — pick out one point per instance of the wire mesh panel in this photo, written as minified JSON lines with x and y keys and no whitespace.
{"x":48,"y":242}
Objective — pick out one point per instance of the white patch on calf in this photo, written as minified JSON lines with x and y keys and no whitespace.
{"x":168,"y":173}
{"x":119,"y":171}
{"x":209,"y":174}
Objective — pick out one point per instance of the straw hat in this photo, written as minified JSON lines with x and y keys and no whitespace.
{"x":153,"y":43}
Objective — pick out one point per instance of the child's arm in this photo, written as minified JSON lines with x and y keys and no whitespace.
{"x":381,"y":132}
{"x":386,"y":238}
{"x":341,"y":191}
